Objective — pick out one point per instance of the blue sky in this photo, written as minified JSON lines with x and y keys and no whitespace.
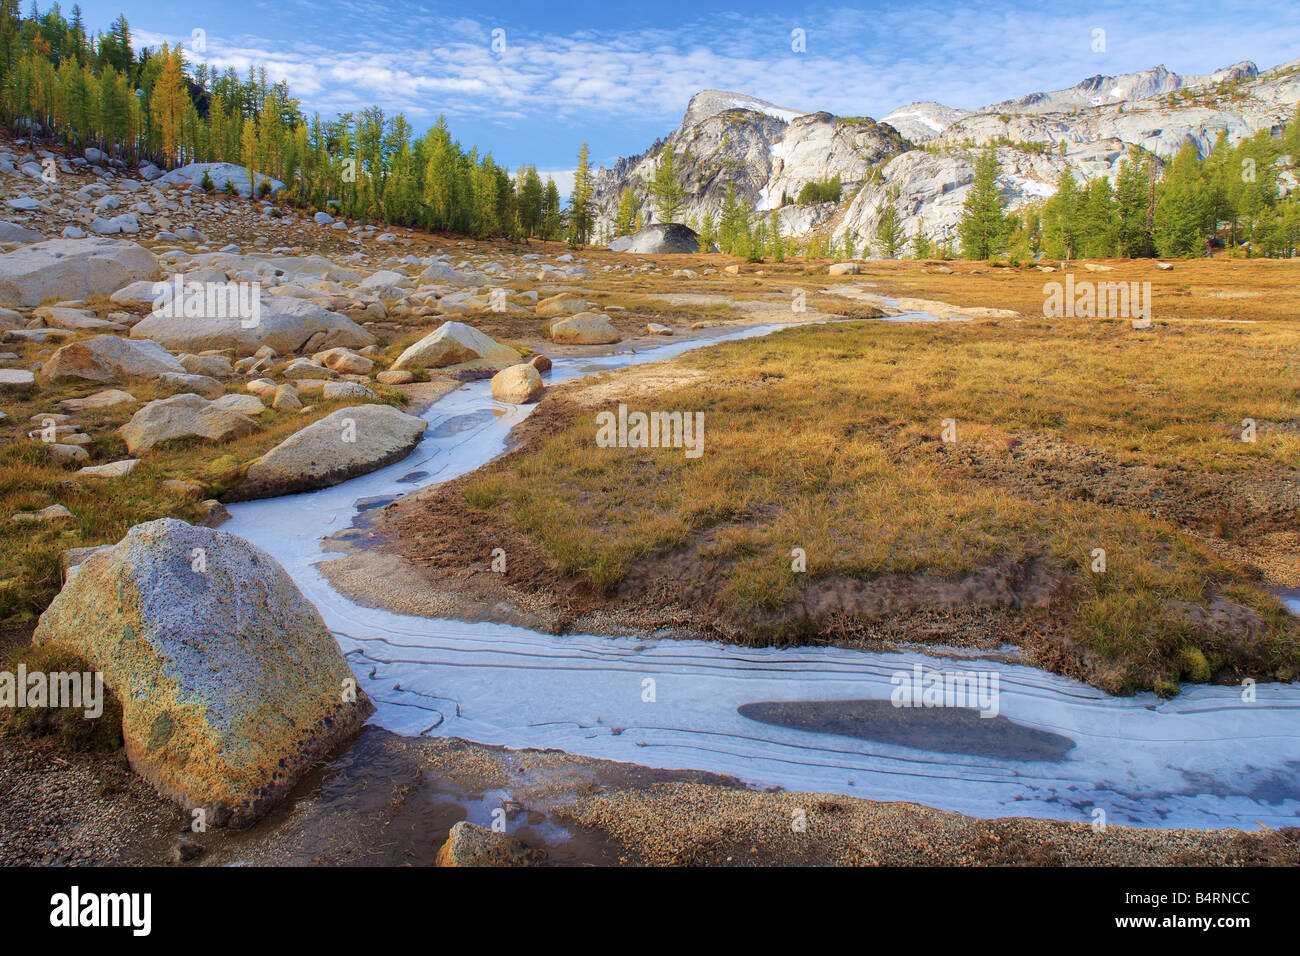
{"x":620,"y":74}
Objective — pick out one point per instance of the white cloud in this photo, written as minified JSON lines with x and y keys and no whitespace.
{"x":857,"y":62}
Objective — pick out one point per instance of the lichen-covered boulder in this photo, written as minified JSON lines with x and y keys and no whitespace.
{"x":284,"y":324}
{"x":109,"y":358}
{"x":183,"y":416}
{"x":231,"y":685}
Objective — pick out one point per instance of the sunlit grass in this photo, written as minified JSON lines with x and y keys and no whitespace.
{"x":807,"y":442}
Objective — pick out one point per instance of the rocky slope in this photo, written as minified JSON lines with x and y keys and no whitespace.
{"x":923,"y":151}
{"x":764,"y":151}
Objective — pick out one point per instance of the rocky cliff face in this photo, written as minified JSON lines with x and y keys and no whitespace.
{"x":763,"y":151}
{"x":919,"y":158}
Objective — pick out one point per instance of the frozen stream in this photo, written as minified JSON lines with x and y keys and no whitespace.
{"x":1059,"y":748}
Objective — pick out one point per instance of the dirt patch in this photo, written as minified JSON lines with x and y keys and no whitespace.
{"x":681,"y":825}
{"x":390,"y":801}
{"x":72,"y":809}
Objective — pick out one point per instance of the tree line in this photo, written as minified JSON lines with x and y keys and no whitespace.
{"x":59,"y":80}
{"x":1231,"y":199}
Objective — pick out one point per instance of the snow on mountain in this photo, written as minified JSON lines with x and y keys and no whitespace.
{"x":923,"y":121}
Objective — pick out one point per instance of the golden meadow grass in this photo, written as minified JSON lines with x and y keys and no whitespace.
{"x":807,"y":437}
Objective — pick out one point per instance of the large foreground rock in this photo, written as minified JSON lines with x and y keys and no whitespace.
{"x":183,"y":416}
{"x":661,"y":237}
{"x":285,"y":324}
{"x":107,"y":358}
{"x":72,"y":269}
{"x":459,"y":345}
{"x":585,"y":328}
{"x":231,"y":685}
{"x":345,"y":443}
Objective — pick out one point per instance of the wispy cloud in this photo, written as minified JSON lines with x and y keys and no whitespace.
{"x":856,"y":61}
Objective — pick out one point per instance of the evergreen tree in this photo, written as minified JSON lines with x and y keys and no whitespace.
{"x":552,"y":224}
{"x":531,"y":194}
{"x":889,"y":233}
{"x":1132,"y":185}
{"x":169,"y":103}
{"x":666,"y":189}
{"x":732,"y":223}
{"x":921,"y":244}
{"x":1184,"y":210}
{"x":1061,"y":217}
{"x":983,"y":224}
{"x":1098,"y":229}
{"x":625,"y":220}
{"x":777,"y":242}
{"x":708,"y":233}
{"x":581,"y":212}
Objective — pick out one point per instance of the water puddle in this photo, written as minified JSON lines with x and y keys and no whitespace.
{"x":950,"y":730}
{"x":1290,"y":598}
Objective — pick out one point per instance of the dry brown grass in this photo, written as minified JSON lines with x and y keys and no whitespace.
{"x":824,"y":439}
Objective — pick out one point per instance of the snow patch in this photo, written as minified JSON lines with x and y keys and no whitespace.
{"x":927,"y":120}
{"x":1031,"y":187}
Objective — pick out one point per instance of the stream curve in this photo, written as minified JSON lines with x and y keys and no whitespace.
{"x":1205,"y":759}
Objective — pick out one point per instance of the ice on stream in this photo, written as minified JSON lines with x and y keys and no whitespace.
{"x":1205,"y":759}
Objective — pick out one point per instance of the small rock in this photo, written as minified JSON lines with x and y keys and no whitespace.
{"x":517,"y":385}
{"x":114,"y":469}
{"x":16,"y":380}
{"x":183,"y":489}
{"x":186,"y":850}
{"x":249,"y":405}
{"x":471,"y":845}
{"x":104,"y":398}
{"x":285,"y":398}
{"x":66,"y":454}
{"x":52,"y":513}
{"x":212,"y":513}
